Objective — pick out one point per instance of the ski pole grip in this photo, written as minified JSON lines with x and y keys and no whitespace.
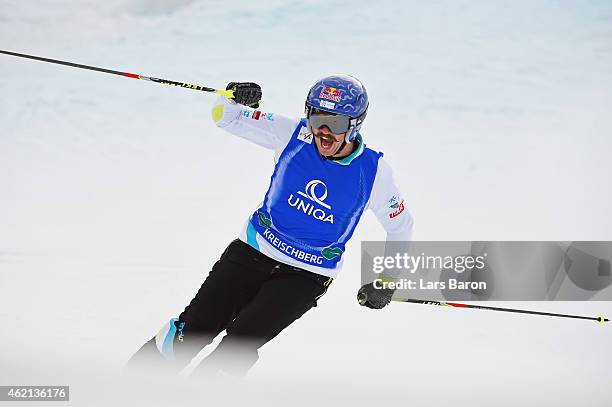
{"x":227,"y":93}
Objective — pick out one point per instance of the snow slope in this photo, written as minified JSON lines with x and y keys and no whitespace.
{"x":117,"y":195}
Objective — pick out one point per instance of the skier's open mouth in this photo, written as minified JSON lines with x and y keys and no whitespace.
{"x":326,"y":143}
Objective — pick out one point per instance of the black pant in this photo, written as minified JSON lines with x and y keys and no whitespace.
{"x":251,"y":296}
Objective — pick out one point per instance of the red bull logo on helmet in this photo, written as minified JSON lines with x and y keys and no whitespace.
{"x":334,"y":94}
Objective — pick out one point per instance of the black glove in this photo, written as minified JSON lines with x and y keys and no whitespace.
{"x":246,"y":93}
{"x":374,"y":298}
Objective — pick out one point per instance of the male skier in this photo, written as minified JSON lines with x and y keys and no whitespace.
{"x":292,"y":245}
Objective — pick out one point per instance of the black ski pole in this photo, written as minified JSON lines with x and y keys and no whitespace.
{"x":362,"y":298}
{"x":227,"y":93}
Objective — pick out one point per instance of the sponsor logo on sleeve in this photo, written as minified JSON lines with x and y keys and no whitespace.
{"x":396,"y":204}
{"x":258,"y":115}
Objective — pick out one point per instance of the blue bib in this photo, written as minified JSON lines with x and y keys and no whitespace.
{"x":313,"y":205}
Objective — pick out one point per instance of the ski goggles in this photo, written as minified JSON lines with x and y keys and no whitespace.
{"x":336,"y":123}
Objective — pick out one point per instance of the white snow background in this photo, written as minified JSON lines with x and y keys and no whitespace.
{"x":117,"y":195}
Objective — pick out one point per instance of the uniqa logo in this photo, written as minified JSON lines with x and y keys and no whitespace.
{"x":314,"y":195}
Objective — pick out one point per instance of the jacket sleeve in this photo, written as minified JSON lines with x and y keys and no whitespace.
{"x":387,"y":203}
{"x":268,"y":130}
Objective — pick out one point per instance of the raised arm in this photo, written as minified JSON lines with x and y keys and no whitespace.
{"x":266,"y":129}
